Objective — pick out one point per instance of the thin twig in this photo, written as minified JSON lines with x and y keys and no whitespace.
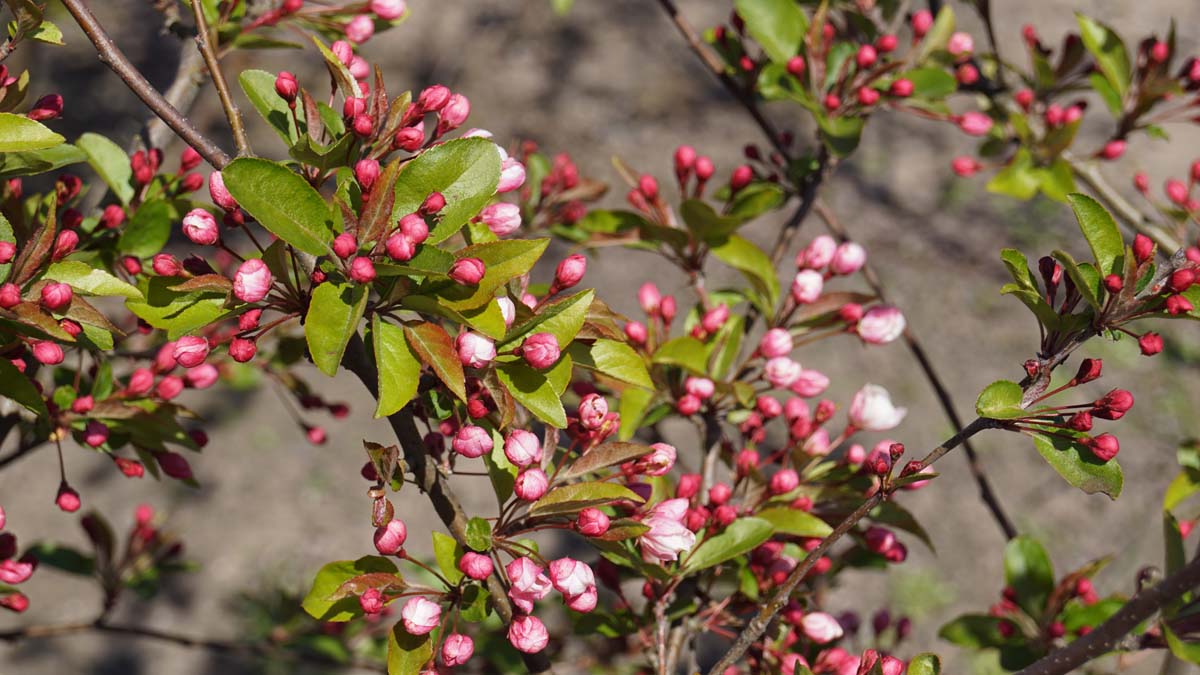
{"x":1105,"y":636}
{"x":758,"y":625}
{"x":986,"y":493}
{"x":115,"y":59}
{"x":204,"y":40}
{"x":262,"y":650}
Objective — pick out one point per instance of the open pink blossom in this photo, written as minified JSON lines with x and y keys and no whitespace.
{"x":871,"y":409}
{"x":667,"y":537}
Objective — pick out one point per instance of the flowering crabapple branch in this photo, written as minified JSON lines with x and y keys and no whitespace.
{"x":758,"y":625}
{"x":986,"y":493}
{"x":808,"y":199}
{"x":204,"y":41}
{"x":114,"y":58}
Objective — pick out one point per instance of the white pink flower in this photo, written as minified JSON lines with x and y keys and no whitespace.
{"x":880,"y":325}
{"x":420,"y":616}
{"x":871,"y":409}
{"x":667,"y":537}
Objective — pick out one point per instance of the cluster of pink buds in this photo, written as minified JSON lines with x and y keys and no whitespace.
{"x":1073,"y":423}
{"x":1180,"y":202}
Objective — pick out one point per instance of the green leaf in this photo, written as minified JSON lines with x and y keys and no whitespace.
{"x":15,"y":386}
{"x":1175,"y":556}
{"x":18,"y":133}
{"x":1058,"y":180}
{"x":756,"y":199}
{"x":6,"y":234}
{"x":632,"y":406}
{"x":1108,"y":50}
{"x":973,"y":630}
{"x":281,"y":201}
{"x":1085,"y":277}
{"x":447,"y":553}
{"x":1019,"y":180}
{"x":1001,"y":400}
{"x":778,"y":25}
{"x":1018,"y":267}
{"x":90,"y":281}
{"x":534,"y":389}
{"x":931,"y":83}
{"x":685,"y":352}
{"x":407,"y":654}
{"x":750,"y":260}
{"x":571,"y":499}
{"x":33,"y":162}
{"x":1027,"y":570}
{"x":319,"y":604}
{"x":603,"y":456}
{"x":474,"y":605}
{"x":338,"y":71}
{"x":259,"y":87}
{"x":479,"y":534}
{"x":63,"y":558}
{"x":1101,"y":232}
{"x":178,"y":313}
{"x":841,"y":134}
{"x":466,"y":172}
{"x":924,"y":664}
{"x":48,"y":33}
{"x":563,"y":319}
{"x":706,"y":224}
{"x":939,"y":35}
{"x":615,"y":359}
{"x":398,"y":364}
{"x":110,"y":162}
{"x":1186,"y":650}
{"x":1079,"y":466}
{"x":148,"y":231}
{"x":333,"y":317}
{"x":1186,"y":484}
{"x":501,"y":471}
{"x":738,"y":539}
{"x":503,"y":261}
{"x":795,"y":522}
{"x":433,"y":345}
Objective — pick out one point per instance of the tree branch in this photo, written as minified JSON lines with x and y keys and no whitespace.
{"x":431,"y":481}
{"x":758,"y":625}
{"x":1102,"y":640}
{"x":115,"y":59}
{"x":38,"y":632}
{"x":986,"y":493}
{"x":204,"y":41}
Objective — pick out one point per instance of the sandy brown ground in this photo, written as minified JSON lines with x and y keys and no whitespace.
{"x":610,"y":79}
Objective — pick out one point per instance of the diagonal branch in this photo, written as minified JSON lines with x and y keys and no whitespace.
{"x":986,"y":493}
{"x":1105,"y":636}
{"x":204,"y":40}
{"x":114,"y":58}
{"x":431,"y":481}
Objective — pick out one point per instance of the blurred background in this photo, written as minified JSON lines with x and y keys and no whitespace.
{"x":612,"y":78}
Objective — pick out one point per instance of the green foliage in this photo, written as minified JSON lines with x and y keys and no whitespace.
{"x":282,"y":202}
{"x":319,"y":602}
{"x":333,"y":316}
{"x":739,"y":538}
{"x":18,"y":133}
{"x":466,"y":172}
{"x":1000,"y":400}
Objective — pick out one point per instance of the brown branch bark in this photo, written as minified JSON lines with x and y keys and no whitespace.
{"x":115,"y":59}
{"x":986,"y":493}
{"x":1102,"y":640}
{"x":204,"y":41}
{"x":758,"y":625}
{"x":262,"y":650}
{"x":432,"y":482}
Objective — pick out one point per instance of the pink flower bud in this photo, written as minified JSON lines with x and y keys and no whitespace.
{"x":512,"y":175}
{"x":362,"y":270}
{"x":360,"y":70}
{"x":523,"y":448}
{"x":286,"y":86}
{"x":781,"y":372}
{"x":202,"y":376}
{"x":848,"y":259}
{"x":592,"y":522}
{"x":343,"y":51}
{"x":975,"y":123}
{"x":67,"y":498}
{"x":775,"y":342}
{"x":540,"y":350}
{"x":420,"y":616}
{"x":174,"y":465}
{"x":714,"y":318}
{"x":472,"y":441}
{"x":8,"y":251}
{"x":1104,"y":447}
{"x":741,"y":177}
{"x":508,"y":311}
{"x":501,"y":218}
{"x":242,"y":349}
{"x":1150,"y":344}
{"x":399,"y":247}
{"x":570,"y":271}
{"x":190,"y":351}
{"x":363,"y":125}
{"x":820,"y":627}
{"x":867,"y":96}
{"x":19,"y":571}
{"x":371,"y":601}
{"x":784,"y":481}
{"x":658,"y":462}
{"x":169,"y":387}
{"x":795,"y":66}
{"x":960,"y":45}
{"x":95,"y":433}
{"x":366,"y":172}
{"x":360,"y":29}
{"x":467,"y":271}
{"x":200,"y":227}
{"x":47,"y":107}
{"x":457,"y":649}
{"x":141,"y":381}
{"x":818,"y":253}
{"x":592,"y":411}
{"x":47,"y":353}
{"x":922,"y":21}
{"x":866,"y":56}
{"x":64,"y":244}
{"x":807,"y":286}
{"x":56,"y":296}
{"x":528,"y":634}
{"x":253,"y":281}
{"x":218,"y":193}
{"x":649,"y":298}
{"x":433,"y":98}
{"x":810,"y":383}
{"x":531,"y":484}
{"x":475,"y":565}
{"x":474,"y":350}
{"x":344,"y":245}
{"x":165,"y":265}
{"x":454,"y":113}
{"x":666,"y":309}
{"x":881,"y":324}
{"x":389,"y":538}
